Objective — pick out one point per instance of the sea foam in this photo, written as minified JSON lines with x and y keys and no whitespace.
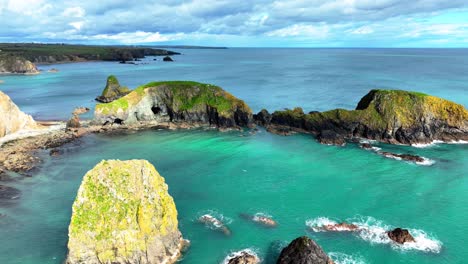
{"x":341,"y":258}
{"x":250,"y":251}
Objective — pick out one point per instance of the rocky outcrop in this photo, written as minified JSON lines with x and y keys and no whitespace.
{"x":190,"y":103}
{"x":74,"y":121}
{"x":16,"y":65}
{"x":214,"y":223}
{"x":112,"y":91}
{"x":123,"y":214}
{"x":390,"y":116}
{"x":11,"y":118}
{"x":303,"y":250}
{"x":400,"y":235}
{"x":167,"y":58}
{"x":242,"y":257}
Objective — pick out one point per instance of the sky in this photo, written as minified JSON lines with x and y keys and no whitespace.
{"x":238,"y":23}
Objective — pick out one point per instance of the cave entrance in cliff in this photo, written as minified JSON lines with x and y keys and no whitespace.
{"x":156,"y":110}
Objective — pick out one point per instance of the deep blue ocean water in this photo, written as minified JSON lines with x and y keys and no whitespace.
{"x":297,"y":181}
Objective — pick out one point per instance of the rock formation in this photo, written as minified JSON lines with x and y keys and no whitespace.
{"x":112,"y":91}
{"x":11,"y":118}
{"x":123,"y":214}
{"x":74,"y":121}
{"x":400,"y":235}
{"x":190,"y":103}
{"x":242,"y":257}
{"x":167,"y":58}
{"x":303,"y":250}
{"x":214,"y":223}
{"x":17,"y":65}
{"x":390,"y":116}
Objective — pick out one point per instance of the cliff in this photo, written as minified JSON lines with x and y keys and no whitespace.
{"x":391,"y":116}
{"x":16,"y":65}
{"x":11,"y":118}
{"x":112,"y":91}
{"x":176,"y":102}
{"x":123,"y":213}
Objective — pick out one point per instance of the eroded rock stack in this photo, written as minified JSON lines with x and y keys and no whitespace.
{"x":112,"y":91}
{"x":123,"y":213}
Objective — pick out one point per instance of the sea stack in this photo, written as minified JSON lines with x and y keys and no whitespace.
{"x":303,"y":250}
{"x":11,"y":118}
{"x":123,"y":213}
{"x":390,"y":116}
{"x":112,"y":91}
{"x":191,"y":104}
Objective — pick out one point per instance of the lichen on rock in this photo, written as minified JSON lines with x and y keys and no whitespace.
{"x":123,"y":213}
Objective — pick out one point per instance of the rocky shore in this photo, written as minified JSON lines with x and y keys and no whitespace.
{"x":10,"y":64}
{"x":389,"y":116}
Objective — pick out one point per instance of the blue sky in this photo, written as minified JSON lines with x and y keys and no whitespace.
{"x":239,"y":23}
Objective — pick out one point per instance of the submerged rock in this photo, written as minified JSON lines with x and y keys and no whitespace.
{"x":11,"y":118}
{"x":242,"y":257}
{"x":390,"y":116}
{"x":8,"y":193}
{"x":260,"y":219}
{"x":123,"y":213}
{"x":400,"y":235}
{"x":17,"y":65}
{"x":214,"y":223}
{"x":405,"y":157}
{"x":176,"y":102}
{"x":112,"y":91}
{"x":341,"y":227}
{"x":167,"y":58}
{"x":303,"y":250}
{"x":53,"y":70}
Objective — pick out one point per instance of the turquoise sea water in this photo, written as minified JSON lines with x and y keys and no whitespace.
{"x":293,"y":179}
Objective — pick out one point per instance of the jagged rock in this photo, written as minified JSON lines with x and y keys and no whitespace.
{"x":16,"y":64}
{"x":303,"y":250}
{"x":74,"y":121}
{"x":11,"y":118}
{"x":112,"y":91}
{"x":123,"y":213}
{"x":242,"y":257}
{"x":177,"y":102}
{"x":406,"y":157}
{"x":167,"y":58}
{"x":262,"y":118}
{"x":400,"y":236}
{"x":390,"y":116}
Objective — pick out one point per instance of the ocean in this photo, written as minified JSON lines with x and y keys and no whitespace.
{"x":295,"y":180}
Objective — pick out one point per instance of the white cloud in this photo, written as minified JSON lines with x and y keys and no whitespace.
{"x":320,"y":31}
{"x":74,"y":12}
{"x":77,"y":25}
{"x":364,"y":30}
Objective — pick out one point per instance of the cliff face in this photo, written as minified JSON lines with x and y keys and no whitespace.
{"x":11,"y":118}
{"x":390,"y":116}
{"x":123,"y":214}
{"x":112,"y":91}
{"x":176,"y":102}
{"x":18,"y":65}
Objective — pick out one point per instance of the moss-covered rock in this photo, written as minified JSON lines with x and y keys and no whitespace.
{"x":177,"y":101}
{"x":112,"y":91}
{"x":123,"y":214}
{"x":391,"y":116}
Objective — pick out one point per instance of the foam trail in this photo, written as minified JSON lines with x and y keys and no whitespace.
{"x":341,"y":258}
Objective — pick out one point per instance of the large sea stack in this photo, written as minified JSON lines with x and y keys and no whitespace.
{"x":182,"y":102}
{"x":303,"y":250}
{"x":11,"y":118}
{"x":390,"y":116}
{"x":123,"y":213}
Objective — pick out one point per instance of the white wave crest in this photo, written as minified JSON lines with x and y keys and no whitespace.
{"x":250,"y":251}
{"x":318,"y":223}
{"x":426,"y":162}
{"x":341,"y":258}
{"x":375,"y":231}
{"x":219,"y":220}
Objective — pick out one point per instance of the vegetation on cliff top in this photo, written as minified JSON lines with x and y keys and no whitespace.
{"x":119,"y":206}
{"x":185,"y":95}
{"x":382,"y":109}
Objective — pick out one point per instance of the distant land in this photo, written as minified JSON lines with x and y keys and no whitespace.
{"x":184,"y":47}
{"x":20,"y":58}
